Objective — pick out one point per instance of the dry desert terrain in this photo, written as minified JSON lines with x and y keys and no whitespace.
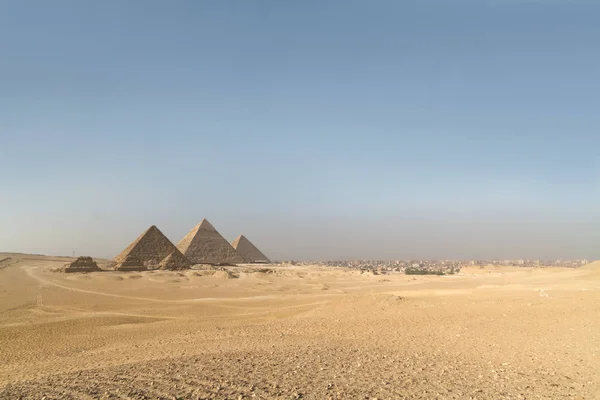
{"x":297,"y":332}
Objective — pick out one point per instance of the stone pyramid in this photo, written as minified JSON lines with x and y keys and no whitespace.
{"x":175,"y":261}
{"x":150,"y":248}
{"x":204,"y":245}
{"x":248,"y":251}
{"x":131,"y":263}
{"x":82,"y":264}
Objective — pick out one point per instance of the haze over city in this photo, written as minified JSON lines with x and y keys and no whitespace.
{"x":323,"y":130}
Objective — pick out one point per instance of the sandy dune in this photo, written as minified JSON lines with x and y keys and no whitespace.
{"x":291,"y":332}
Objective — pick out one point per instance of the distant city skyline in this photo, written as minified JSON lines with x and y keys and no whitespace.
{"x":320,"y":130}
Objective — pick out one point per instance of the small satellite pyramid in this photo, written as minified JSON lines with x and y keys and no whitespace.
{"x":82,"y":264}
{"x":131,"y":263}
{"x":204,"y":245}
{"x":149,"y":249}
{"x":175,"y":261}
{"x":248,"y":251}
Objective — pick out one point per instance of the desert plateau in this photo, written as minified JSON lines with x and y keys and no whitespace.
{"x":289,"y":332}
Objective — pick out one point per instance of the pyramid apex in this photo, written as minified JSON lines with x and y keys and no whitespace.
{"x":236,"y":241}
{"x":152,"y":228}
{"x":204,"y":224}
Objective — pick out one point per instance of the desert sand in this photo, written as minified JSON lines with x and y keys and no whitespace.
{"x":297,"y":332}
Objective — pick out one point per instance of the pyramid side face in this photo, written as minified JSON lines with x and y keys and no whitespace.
{"x":132,"y":260}
{"x":185,"y":243}
{"x":151,"y":247}
{"x":249,"y":252}
{"x":188,"y":239}
{"x":204,"y":245}
{"x":123,"y":255}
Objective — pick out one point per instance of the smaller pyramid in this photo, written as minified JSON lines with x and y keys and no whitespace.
{"x":204,"y":245}
{"x":82,"y":264}
{"x":175,"y":261}
{"x":249,"y":252}
{"x":150,"y":248}
{"x":131,"y":263}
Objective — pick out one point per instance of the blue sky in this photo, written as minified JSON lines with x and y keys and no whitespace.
{"x":320,"y":129}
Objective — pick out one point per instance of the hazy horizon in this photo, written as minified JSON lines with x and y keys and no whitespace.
{"x":320,"y":130}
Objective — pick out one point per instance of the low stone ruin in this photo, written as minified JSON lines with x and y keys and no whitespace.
{"x":82,"y":264}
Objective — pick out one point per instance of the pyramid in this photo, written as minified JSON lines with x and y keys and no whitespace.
{"x":175,"y":261}
{"x":248,"y":251}
{"x":204,"y":245}
{"x":82,"y":264}
{"x":150,"y":248}
{"x":131,"y":263}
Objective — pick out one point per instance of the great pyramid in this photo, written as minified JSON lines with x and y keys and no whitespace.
{"x":150,"y":248}
{"x":82,"y":264}
{"x":175,"y":261}
{"x":248,"y":251}
{"x":204,"y":245}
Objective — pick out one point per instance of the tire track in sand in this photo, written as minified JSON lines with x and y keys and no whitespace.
{"x":47,"y":282}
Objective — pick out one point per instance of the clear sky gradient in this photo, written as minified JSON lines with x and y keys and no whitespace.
{"x":320,"y":129}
